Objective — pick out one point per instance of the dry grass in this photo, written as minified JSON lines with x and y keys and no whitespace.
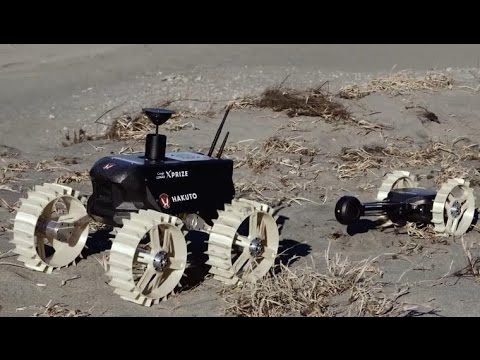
{"x":136,"y":127}
{"x":274,"y":150}
{"x":11,"y":172}
{"x":60,"y":310}
{"x":472,"y":262}
{"x":291,"y":145}
{"x":347,"y":289}
{"x":286,"y":164}
{"x":10,"y":207}
{"x":396,"y":84}
{"x":426,"y":232}
{"x":277,"y":195}
{"x":313,"y":102}
{"x":447,"y":160}
{"x":73,"y":177}
{"x":78,"y":137}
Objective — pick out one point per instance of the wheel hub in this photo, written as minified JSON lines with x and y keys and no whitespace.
{"x":256,"y":247}
{"x":455,"y":210}
{"x":160,"y":261}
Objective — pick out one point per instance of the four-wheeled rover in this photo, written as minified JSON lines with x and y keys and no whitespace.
{"x":153,"y":200}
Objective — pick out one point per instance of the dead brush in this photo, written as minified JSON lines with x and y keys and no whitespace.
{"x":426,"y":232}
{"x":60,"y":310}
{"x":272,"y":151}
{"x":399,"y":83}
{"x":472,"y":266}
{"x":10,"y":207}
{"x":312,"y":102}
{"x":137,"y":126}
{"x":254,"y":189}
{"x":257,"y":160}
{"x":346,"y":289}
{"x":451,"y":171}
{"x":78,"y":137}
{"x":290,"y":145}
{"x":73,"y":177}
{"x":358,"y":161}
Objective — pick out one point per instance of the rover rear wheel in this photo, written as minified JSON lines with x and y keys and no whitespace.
{"x":243,"y":242}
{"x":395,"y":180}
{"x":148,"y":257}
{"x":51,"y":227}
{"x":453,"y":208}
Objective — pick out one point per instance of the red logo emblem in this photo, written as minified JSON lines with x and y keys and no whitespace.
{"x":108,"y":166}
{"x":165,"y":201}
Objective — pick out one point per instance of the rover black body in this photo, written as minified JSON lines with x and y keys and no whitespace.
{"x":173,"y":183}
{"x":400,"y":206}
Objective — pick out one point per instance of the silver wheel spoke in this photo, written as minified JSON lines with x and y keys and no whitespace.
{"x":241,"y":260}
{"x":155,"y":239}
{"x":166,"y":240}
{"x":242,"y":241}
{"x":146,"y":277}
{"x":455,"y":223}
{"x":253,"y":226}
{"x":268,"y":253}
{"x":448,"y":225}
{"x":176,"y":264}
{"x":155,"y":283}
{"x":448,"y":205}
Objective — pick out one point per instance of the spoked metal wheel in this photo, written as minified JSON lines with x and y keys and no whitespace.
{"x":50,"y":228}
{"x":453,"y":208}
{"x":395,"y":180}
{"x":243,"y":242}
{"x":148,"y":257}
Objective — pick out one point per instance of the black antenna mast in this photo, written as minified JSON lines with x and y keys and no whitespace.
{"x":214,"y":143}
{"x":220,"y":151}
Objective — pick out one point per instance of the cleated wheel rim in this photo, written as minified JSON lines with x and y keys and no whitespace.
{"x":148,"y":257}
{"x":453,"y":208}
{"x":243,"y":242}
{"x":49,"y":202}
{"x":395,"y":180}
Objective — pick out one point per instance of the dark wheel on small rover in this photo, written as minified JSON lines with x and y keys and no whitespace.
{"x":243,"y":242}
{"x":148,"y":257}
{"x":348,"y":210}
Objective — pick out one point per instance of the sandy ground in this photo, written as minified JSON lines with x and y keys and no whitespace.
{"x":47,"y":90}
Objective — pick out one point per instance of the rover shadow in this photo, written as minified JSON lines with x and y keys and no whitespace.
{"x":475,"y":218}
{"x":97,"y":242}
{"x":197,"y":270}
{"x":290,"y":251}
{"x":363,"y":226}
{"x":281,"y":223}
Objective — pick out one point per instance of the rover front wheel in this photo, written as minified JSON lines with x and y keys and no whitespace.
{"x":51,"y":227}
{"x":243,"y":242}
{"x":148,"y":257}
{"x":453,"y":208}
